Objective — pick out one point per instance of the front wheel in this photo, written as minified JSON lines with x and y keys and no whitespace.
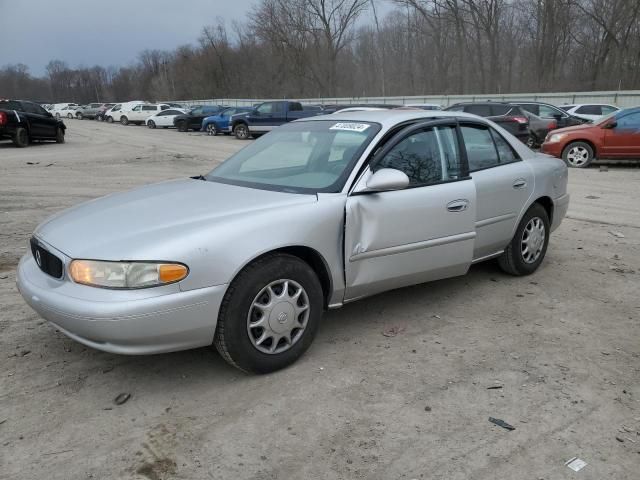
{"x":151,"y":124}
{"x":528,"y":246}
{"x":69,"y":116}
{"x":212,"y":129}
{"x":109,"y":119}
{"x":59,"y":135}
{"x":182,"y":126}
{"x":270,"y":314}
{"x":241,"y":131}
{"x":578,"y":154}
{"x":79,"y":116}
{"x":532,"y":142}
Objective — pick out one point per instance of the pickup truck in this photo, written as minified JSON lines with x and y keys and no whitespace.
{"x":267,"y":116}
{"x":23,"y":121}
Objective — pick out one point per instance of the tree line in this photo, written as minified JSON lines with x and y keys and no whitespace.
{"x":346,"y":48}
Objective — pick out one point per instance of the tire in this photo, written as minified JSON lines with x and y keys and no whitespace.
{"x":212,"y":129}
{"x":21,"y":138}
{"x":58,"y":116}
{"x":241,"y":131}
{"x":79,"y":116}
{"x":516,"y":260}
{"x":578,"y":154}
{"x":124,"y":120}
{"x":59,"y":135}
{"x":182,"y":126}
{"x":151,"y":124}
{"x":237,"y":340}
{"x":532,"y":142}
{"x":69,"y":116}
{"x":109,"y":119}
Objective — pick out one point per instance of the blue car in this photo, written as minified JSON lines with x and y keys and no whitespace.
{"x":220,"y":123}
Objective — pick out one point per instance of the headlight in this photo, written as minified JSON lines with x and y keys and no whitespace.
{"x":556,"y":137}
{"x":126,"y":274}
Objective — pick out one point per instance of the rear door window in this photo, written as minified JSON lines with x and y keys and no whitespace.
{"x":590,"y":110}
{"x":149,"y":108}
{"x":481,"y":110}
{"x":499,"y":110}
{"x":531,"y":107}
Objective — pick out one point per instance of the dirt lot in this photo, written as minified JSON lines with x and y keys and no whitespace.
{"x":564,"y":344}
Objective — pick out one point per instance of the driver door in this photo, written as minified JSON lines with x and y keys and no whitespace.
{"x":421,"y":233}
{"x":623,"y":140}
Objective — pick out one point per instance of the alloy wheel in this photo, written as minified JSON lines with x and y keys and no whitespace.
{"x":578,"y":156}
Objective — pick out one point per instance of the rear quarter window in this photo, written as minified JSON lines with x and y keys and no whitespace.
{"x":499,"y":110}
{"x":11,"y":105}
{"x":481,"y":110}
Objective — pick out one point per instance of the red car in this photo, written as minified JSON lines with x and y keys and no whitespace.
{"x":616,"y":136}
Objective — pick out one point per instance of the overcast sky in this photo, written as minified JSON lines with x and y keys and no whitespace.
{"x":108,"y":32}
{"x":103,"y":32}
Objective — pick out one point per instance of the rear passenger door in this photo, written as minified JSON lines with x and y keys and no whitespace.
{"x":503,"y":185}
{"x":41,"y":124}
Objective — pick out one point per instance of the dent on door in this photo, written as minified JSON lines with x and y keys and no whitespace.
{"x":401,"y":238}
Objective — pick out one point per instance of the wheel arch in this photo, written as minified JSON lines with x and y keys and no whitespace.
{"x":547,"y":204}
{"x":311,"y":257}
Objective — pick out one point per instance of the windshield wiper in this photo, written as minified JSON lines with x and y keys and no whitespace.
{"x":199,"y":177}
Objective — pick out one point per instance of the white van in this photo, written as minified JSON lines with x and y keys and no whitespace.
{"x":139,"y":114}
{"x":115,"y":112}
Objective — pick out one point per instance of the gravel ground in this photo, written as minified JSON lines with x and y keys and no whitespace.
{"x":563,"y":345}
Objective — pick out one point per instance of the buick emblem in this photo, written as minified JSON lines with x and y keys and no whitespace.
{"x":282,"y":317}
{"x":38,"y":258}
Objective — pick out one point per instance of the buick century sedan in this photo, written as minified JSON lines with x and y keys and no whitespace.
{"x":319,"y":212}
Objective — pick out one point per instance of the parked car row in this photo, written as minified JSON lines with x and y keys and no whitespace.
{"x":577,"y":133}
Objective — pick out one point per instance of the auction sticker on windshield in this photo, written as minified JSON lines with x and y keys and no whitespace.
{"x":352,"y":127}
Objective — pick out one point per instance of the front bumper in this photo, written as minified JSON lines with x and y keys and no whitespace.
{"x":554,"y":149}
{"x":131,"y":322}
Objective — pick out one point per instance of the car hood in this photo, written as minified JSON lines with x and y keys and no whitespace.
{"x":575,"y":128}
{"x":131,"y":223}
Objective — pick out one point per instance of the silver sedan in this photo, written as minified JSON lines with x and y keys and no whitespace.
{"x":317,"y":213}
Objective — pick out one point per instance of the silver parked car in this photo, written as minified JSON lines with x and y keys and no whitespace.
{"x":317,"y":213}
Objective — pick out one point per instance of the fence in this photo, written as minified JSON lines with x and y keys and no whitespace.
{"x":625,"y":98}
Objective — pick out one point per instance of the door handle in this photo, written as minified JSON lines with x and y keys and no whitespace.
{"x":520,"y":183}
{"x":458,"y":205}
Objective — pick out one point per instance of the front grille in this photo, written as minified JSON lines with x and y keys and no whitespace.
{"x":47,"y":261}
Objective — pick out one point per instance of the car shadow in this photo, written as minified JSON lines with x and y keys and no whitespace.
{"x":205,"y":365}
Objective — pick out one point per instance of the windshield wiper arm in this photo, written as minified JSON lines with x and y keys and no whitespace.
{"x":199,"y":177}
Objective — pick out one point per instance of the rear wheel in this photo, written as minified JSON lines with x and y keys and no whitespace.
{"x":241,"y":131}
{"x":528,"y":246}
{"x":59,"y":135}
{"x":578,"y":154}
{"x":21,"y":138}
{"x":69,"y":116}
{"x":79,"y":116}
{"x":124,"y":120}
{"x":151,"y":124}
{"x":532,"y":141}
{"x":58,"y":116}
{"x":270,"y":314}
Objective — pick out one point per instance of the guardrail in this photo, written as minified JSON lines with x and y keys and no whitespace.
{"x":624,"y":98}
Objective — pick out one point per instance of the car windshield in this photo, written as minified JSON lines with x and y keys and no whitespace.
{"x":301,"y":157}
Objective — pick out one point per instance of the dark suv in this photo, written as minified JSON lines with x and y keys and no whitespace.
{"x":23,"y":121}
{"x":510,"y":117}
{"x":193,"y":119}
{"x":551,"y":112}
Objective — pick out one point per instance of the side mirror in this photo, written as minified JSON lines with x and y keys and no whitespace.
{"x":558,"y":116}
{"x":611,"y":124}
{"x":386,"y":179}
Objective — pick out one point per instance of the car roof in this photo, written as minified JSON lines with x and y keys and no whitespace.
{"x":390,"y":118}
